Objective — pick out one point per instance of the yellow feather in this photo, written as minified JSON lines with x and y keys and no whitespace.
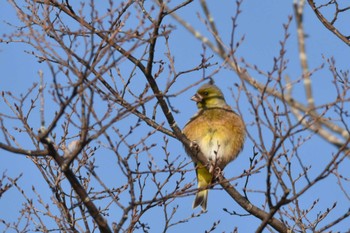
{"x":204,"y":179}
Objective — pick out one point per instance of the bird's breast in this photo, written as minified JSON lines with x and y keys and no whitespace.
{"x":219,"y":134}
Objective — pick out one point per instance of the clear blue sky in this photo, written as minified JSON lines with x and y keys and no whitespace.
{"x":261,"y":23}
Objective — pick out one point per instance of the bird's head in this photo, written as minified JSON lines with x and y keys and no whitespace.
{"x":209,"y":96}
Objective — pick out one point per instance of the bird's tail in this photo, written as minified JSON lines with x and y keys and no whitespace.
{"x":201,"y":199}
{"x":204,"y":178}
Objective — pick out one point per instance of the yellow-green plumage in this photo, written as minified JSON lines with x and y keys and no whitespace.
{"x":204,"y":178}
{"x":219,"y":133}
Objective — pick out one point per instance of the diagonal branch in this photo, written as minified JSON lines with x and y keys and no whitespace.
{"x":78,"y":188}
{"x":327,"y":24}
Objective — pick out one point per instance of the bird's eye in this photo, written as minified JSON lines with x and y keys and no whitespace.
{"x":206,"y":93}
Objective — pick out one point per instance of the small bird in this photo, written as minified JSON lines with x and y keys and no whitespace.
{"x":218,"y":131}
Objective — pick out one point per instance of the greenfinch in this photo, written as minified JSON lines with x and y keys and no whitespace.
{"x":218,"y":131}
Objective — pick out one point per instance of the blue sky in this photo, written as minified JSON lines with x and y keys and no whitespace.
{"x":261,"y":24}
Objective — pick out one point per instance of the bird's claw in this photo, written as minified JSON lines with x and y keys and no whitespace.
{"x":217,"y":172}
{"x":214,"y":169}
{"x":194,"y":145}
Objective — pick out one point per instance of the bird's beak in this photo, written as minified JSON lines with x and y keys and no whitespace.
{"x":197,"y":98}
